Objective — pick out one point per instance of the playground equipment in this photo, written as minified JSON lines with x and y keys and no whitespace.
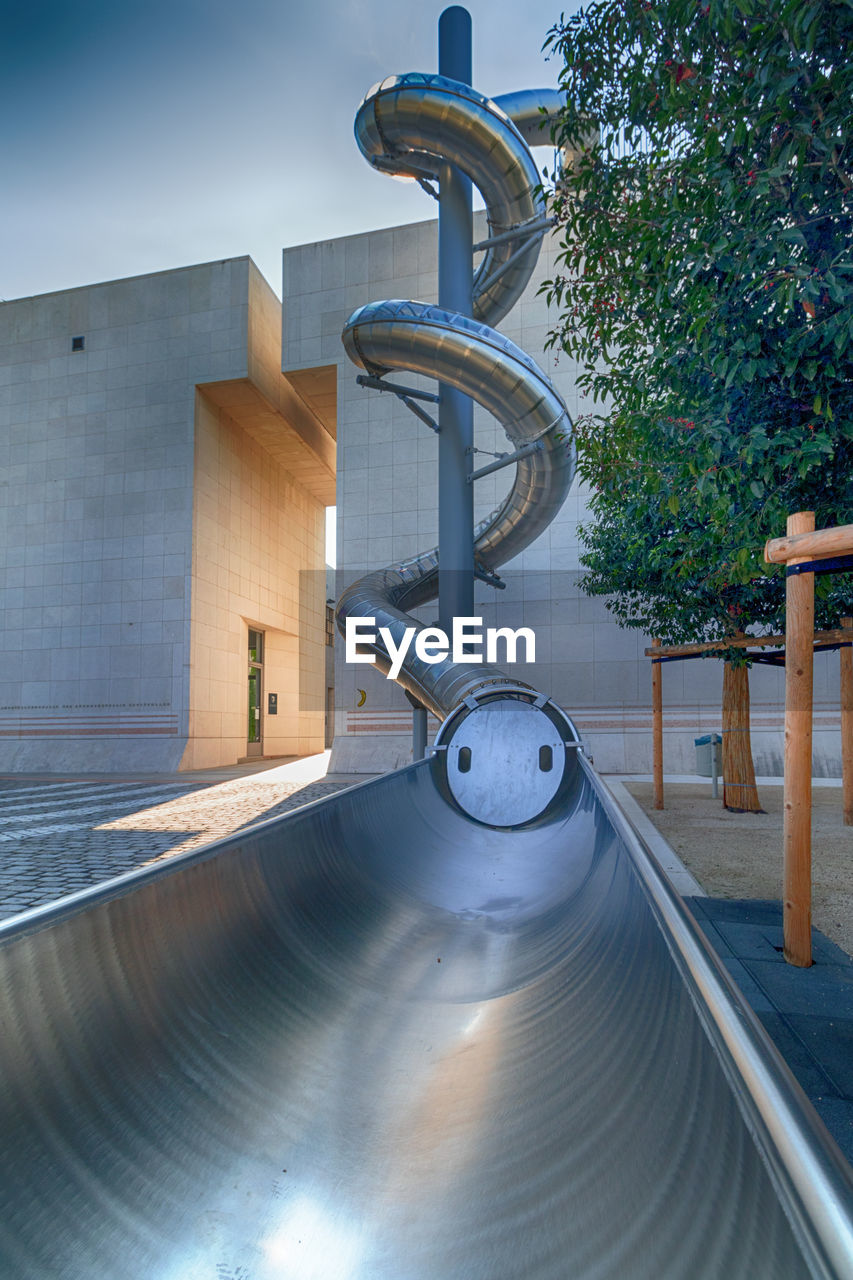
{"x":504,"y":744}
{"x":389,"y":1037}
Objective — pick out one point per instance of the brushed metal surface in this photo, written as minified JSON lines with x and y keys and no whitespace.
{"x":412,"y":124}
{"x":504,"y":739}
{"x":533,"y":112}
{"x":415,"y":124}
{"x":484,"y":364}
{"x":375,"y":1040}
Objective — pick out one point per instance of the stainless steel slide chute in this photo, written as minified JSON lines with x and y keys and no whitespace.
{"x":374,"y":1039}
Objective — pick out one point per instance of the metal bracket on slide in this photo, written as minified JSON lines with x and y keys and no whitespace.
{"x":492,"y":579}
{"x":532,"y":231}
{"x":523,"y":232}
{"x":408,"y":395}
{"x":396,"y":169}
{"x":506,"y":459}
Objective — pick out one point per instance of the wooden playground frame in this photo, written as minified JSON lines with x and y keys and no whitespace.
{"x":801,"y":547}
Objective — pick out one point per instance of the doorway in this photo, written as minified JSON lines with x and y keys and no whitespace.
{"x":330,"y":715}
{"x":255,"y":737}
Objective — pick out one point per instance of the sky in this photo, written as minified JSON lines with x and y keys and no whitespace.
{"x":141,"y":137}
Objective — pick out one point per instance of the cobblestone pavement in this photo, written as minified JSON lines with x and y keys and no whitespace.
{"x":60,"y":836}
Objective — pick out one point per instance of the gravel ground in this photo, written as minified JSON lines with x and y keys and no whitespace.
{"x":739,"y":855}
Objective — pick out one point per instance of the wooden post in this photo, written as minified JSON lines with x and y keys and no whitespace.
{"x":810,"y":544}
{"x":847,"y":726}
{"x":657,"y":729}
{"x":799,"y":673}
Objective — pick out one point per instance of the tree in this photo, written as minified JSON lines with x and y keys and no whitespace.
{"x":706,"y":288}
{"x":661,"y":573}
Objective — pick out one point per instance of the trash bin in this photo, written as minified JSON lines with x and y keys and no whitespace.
{"x":708,"y":755}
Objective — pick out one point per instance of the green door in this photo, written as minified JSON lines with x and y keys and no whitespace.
{"x":255,"y":731}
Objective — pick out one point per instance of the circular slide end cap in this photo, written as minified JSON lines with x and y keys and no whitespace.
{"x":505,"y":762}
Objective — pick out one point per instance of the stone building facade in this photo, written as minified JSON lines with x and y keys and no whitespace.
{"x":163,"y":500}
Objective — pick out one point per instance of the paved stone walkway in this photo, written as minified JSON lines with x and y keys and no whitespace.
{"x":808,"y":1013}
{"x":60,"y":836}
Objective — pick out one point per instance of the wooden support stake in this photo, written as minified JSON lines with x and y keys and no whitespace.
{"x":799,"y":680}
{"x":657,"y":729}
{"x":847,"y":726}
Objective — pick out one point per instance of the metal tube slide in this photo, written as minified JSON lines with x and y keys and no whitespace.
{"x":373,"y":1040}
{"x":483,"y":364}
{"x":532,"y":111}
{"x":412,"y":124}
{"x":416,"y":124}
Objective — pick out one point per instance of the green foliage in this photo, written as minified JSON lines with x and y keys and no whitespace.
{"x":651,"y":551}
{"x":706,"y":288}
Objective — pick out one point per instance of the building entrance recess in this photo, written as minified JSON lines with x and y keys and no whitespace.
{"x":255,"y":733}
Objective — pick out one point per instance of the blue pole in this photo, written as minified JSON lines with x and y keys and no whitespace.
{"x":455,"y":411}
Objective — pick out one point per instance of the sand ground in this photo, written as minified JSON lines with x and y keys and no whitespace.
{"x":739,"y":855}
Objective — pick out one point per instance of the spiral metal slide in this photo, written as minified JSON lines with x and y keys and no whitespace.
{"x":381,"y":1039}
{"x":412,"y":125}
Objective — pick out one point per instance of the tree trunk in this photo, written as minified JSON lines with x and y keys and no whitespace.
{"x":739,"y":790}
